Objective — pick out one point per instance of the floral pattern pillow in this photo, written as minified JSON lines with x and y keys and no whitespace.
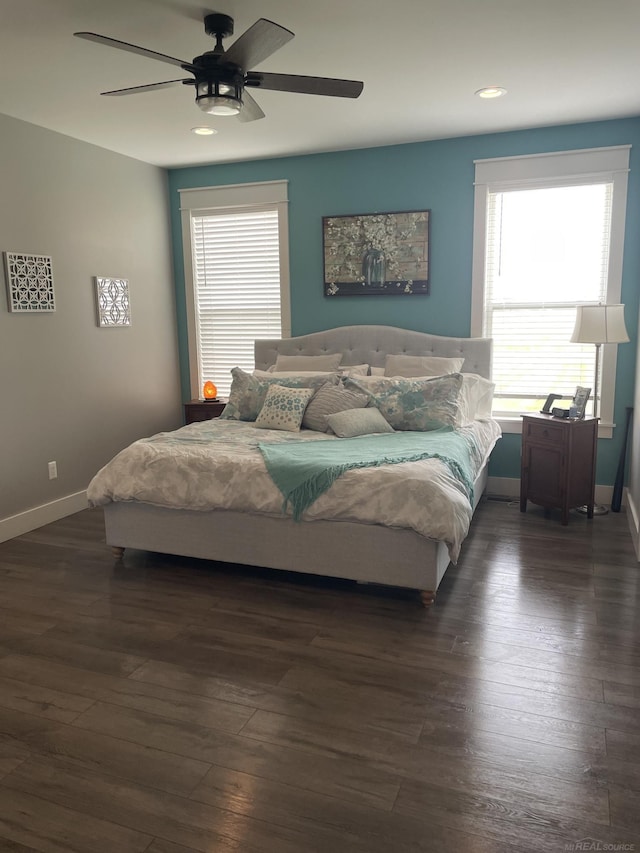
{"x":248,"y":393}
{"x":415,"y":404}
{"x":284,"y":407}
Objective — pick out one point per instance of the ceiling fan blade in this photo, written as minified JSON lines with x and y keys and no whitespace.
{"x":132,"y":90}
{"x":250,"y":108}
{"x":257,"y":43}
{"x":134,"y":48}
{"x":305,"y":85}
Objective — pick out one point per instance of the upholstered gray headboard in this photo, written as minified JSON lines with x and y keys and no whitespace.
{"x":371,"y":344}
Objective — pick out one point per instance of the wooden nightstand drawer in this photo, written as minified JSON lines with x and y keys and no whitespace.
{"x":202,"y":410}
{"x":546,"y":432}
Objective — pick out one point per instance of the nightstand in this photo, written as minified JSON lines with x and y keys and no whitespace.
{"x":558,"y":467}
{"x":203,"y":410}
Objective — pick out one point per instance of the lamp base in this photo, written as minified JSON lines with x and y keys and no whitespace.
{"x":598,"y":509}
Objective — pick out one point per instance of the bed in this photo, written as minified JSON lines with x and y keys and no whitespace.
{"x":326,"y":542}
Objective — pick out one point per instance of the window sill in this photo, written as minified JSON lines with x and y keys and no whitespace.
{"x":514,"y":425}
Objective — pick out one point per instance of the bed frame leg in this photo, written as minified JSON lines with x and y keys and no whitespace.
{"x":117,"y":552}
{"x":427,"y":596}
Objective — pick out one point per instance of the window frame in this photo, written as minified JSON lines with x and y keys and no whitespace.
{"x":555,"y":169}
{"x":201,"y":201}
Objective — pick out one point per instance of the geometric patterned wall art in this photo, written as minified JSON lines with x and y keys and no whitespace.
{"x":29,"y":282}
{"x":112,"y":300}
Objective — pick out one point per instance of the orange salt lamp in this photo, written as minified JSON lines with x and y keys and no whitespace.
{"x":210,"y":391}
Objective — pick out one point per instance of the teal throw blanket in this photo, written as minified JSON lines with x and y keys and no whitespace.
{"x":304,"y":470}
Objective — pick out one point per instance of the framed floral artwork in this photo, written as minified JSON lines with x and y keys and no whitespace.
{"x":376,"y":254}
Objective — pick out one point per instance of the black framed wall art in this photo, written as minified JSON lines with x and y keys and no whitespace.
{"x":373,"y":254}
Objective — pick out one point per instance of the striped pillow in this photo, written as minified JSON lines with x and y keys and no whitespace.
{"x":329,"y":400}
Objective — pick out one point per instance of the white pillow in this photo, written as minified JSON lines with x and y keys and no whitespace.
{"x":283,"y":408}
{"x":476,"y":399}
{"x":376,"y":371}
{"x":328,"y":362}
{"x":289,"y":374}
{"x":353,"y":369}
{"x":410,"y":366}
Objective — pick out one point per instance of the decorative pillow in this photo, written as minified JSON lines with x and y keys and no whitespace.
{"x":415,"y":404}
{"x":354,"y":422}
{"x":421,"y":365}
{"x":308,"y":362}
{"x":248,"y":392}
{"x":376,"y":371}
{"x":284,"y":407}
{"x":328,"y":400}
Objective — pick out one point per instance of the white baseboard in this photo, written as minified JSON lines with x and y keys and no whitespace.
{"x":38,"y":516}
{"x":509,"y":487}
{"x":503,"y":487}
{"x":634,"y":523}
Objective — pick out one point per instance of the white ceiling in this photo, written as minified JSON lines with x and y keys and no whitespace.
{"x":421,"y":61}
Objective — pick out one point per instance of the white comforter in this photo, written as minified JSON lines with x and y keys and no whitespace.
{"x":216,"y":464}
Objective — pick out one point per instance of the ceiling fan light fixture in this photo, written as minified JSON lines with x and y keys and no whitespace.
{"x":220,"y":106}
{"x":219,"y":99}
{"x":220,"y":76}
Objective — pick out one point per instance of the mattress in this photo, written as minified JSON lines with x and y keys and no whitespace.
{"x":217,"y":465}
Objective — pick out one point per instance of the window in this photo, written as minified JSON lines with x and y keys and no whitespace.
{"x":236,"y":273}
{"x":548,"y":236}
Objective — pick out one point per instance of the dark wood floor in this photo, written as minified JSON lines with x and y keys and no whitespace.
{"x":173,"y":705}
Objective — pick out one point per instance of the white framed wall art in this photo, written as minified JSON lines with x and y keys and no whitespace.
{"x":112,"y":302}
{"x":29,"y":283}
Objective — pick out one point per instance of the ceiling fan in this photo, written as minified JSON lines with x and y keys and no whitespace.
{"x":221,"y":76}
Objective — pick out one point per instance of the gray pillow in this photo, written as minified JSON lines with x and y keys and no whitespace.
{"x":328,"y":400}
{"x":358,"y":422}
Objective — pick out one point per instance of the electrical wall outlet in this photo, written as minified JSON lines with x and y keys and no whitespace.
{"x":53,"y":470}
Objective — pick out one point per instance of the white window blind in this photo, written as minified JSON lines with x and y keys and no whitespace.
{"x":237,"y":289}
{"x":548,"y":235}
{"x":236,"y":268}
{"x":547,"y":250}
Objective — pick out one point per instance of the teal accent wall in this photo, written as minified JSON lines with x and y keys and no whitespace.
{"x":437,"y":176}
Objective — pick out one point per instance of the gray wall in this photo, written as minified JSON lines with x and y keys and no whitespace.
{"x":71,"y":391}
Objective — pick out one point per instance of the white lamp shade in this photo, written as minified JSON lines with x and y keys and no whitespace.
{"x":600,"y":324}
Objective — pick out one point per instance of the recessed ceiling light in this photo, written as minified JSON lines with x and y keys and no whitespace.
{"x":491,"y":92}
{"x":203,"y":131}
